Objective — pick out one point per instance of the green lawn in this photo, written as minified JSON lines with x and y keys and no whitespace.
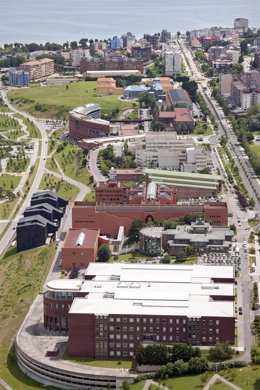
{"x":137,"y":386}
{"x":33,"y":130}
{"x":8,"y":123}
{"x":13,"y":135}
{"x":72,"y":162}
{"x":255,"y":149}
{"x":56,"y":102}
{"x":21,"y":278}
{"x":51,"y":165}
{"x":91,"y":196}
{"x":248,"y":378}
{"x":128,"y":257}
{"x":7,"y":207}
{"x":107,"y":363}
{"x":219,"y":385}
{"x":9,"y":182}
{"x":63,"y":188}
{"x":202,"y":128}
{"x":189,"y":382}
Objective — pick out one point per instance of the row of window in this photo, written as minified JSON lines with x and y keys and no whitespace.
{"x":151,"y":329}
{"x":146,"y":320}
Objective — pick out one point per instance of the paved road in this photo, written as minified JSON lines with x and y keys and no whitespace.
{"x":244,"y":282}
{"x":5,"y":385}
{"x":92,"y":166}
{"x":9,"y":235}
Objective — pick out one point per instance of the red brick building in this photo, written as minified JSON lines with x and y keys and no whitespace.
{"x":121,"y":306}
{"x":80,"y":248}
{"x":179,"y":120}
{"x":117,"y":63}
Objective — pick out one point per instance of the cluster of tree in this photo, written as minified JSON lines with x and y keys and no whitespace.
{"x":133,"y":233}
{"x":58,"y":59}
{"x":196,"y":365}
{"x":12,"y":61}
{"x":146,"y":100}
{"x":255,"y":298}
{"x":158,"y":354}
{"x":124,"y":81}
{"x":220,"y":352}
{"x":108,"y":159}
{"x":191,"y":87}
{"x":241,"y":198}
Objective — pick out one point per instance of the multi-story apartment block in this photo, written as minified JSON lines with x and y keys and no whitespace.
{"x":165,"y":36}
{"x":153,"y":40}
{"x":173,"y":63}
{"x":119,"y":63}
{"x":18,"y":78}
{"x":241,"y":23}
{"x":76,"y":55}
{"x":143,"y":53}
{"x":128,"y":39}
{"x":107,"y":86}
{"x":39,"y":69}
{"x":116,"y":43}
{"x":121,"y":306}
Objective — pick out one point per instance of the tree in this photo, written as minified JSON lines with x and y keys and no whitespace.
{"x":125,"y":385}
{"x":220,"y":352}
{"x":166,"y":259}
{"x":133,"y":233}
{"x":104,"y":253}
{"x":183,"y":352}
{"x":198,"y":365}
{"x":233,"y":228}
{"x":191,"y":87}
{"x":155,"y":354}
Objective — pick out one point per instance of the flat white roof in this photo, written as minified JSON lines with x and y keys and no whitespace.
{"x":140,"y":289}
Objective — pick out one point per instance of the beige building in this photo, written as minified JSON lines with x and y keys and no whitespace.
{"x":39,"y":69}
{"x":225,"y":80}
{"x":107,"y":86}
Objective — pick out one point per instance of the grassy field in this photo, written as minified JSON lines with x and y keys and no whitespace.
{"x":13,"y":135}
{"x":202,"y":128}
{"x":107,"y":363}
{"x":255,"y":149}
{"x":21,"y":278}
{"x":52,"y":166}
{"x":191,"y":382}
{"x":7,"y":207}
{"x":8,"y":123}
{"x":33,"y":130}
{"x":137,"y":386}
{"x":63,"y":188}
{"x":248,"y":378}
{"x":9,"y":182}
{"x":56,"y":102}
{"x":219,"y":385}
{"x":68,"y":159}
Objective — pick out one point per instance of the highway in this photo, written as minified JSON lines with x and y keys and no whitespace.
{"x":244,"y":283}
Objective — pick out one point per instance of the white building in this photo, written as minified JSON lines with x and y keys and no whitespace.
{"x":76,"y":55}
{"x":173,"y":62}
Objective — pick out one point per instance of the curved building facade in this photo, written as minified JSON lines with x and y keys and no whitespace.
{"x":85,"y":122}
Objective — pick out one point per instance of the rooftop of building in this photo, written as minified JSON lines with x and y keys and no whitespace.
{"x":142,"y":289}
{"x":38,"y":62}
{"x":179,"y":95}
{"x":81,"y":238}
{"x":178,"y":114}
{"x":136,"y":88}
{"x":34,"y":219}
{"x":86,"y":109}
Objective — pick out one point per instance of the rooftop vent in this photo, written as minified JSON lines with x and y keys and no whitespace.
{"x":80,"y":239}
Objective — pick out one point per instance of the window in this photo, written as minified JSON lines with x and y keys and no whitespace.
{"x":111,"y":328}
{"x":131,"y":345}
{"x":184,"y":338}
{"x":138,"y":320}
{"x":111,"y":345}
{"x":118,"y":336}
{"x":210,"y":330}
{"x":164,"y":321}
{"x":204,"y":322}
{"x":210,"y":322}
{"x":131,"y":353}
{"x":157,"y":320}
{"x":131,"y":320}
{"x":217,"y":322}
{"x":144,"y":320}
{"x":164,"y":329}
{"x":131,"y":328}
{"x":118,"y":345}
{"x":170,"y":338}
{"x":183,"y":330}
{"x":170,"y":320}
{"x":157,"y":338}
{"x":144,"y":328}
{"x":177,"y":338}
{"x":131,"y":337}
{"x":157,"y":329}
{"x":217,"y":330}
{"x":112,"y":353}
{"x":124,"y":319}
{"x":151,"y":320}
{"x":124,"y":345}
{"x":204,"y":339}
{"x":112,"y":336}
{"x":124,"y":353}
{"x":177,"y":330}
{"x":138,"y":328}
{"x":177,"y":321}
{"x":210,"y":339}
{"x":124,"y":328}
{"x":118,"y":353}
{"x":203,"y":330}
{"x":184,"y":321}
{"x":118,"y":319}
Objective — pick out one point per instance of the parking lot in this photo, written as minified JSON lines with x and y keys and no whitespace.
{"x":230,"y":258}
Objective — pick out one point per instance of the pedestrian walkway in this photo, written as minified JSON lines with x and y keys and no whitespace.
{"x":217,"y":377}
{"x":5,"y":385}
{"x":150,"y":382}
